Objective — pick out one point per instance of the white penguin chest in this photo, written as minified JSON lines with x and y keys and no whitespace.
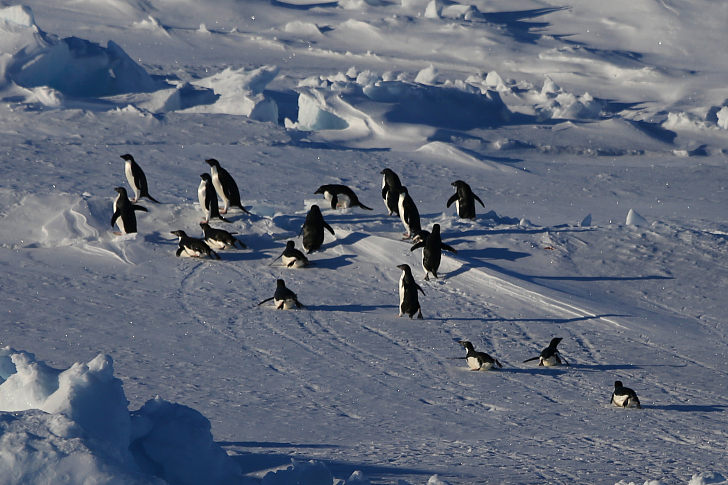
{"x":120,"y":219}
{"x":201,"y":192}
{"x":216,"y":182}
{"x":551,"y":361}
{"x":287,"y":303}
{"x":400,"y":206}
{"x":401,"y":288}
{"x":130,"y":175}
{"x":297,"y":263}
{"x":619,"y":399}
{"x":473,"y":363}
{"x":215,"y":244}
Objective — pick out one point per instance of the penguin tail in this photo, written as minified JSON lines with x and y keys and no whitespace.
{"x":152,"y":199}
{"x":245,"y":210}
{"x":225,"y":220}
{"x":497,"y":362}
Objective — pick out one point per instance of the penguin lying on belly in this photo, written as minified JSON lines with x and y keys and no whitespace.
{"x":192,"y":247}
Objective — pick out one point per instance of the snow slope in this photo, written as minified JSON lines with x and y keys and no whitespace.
{"x":595,"y":134}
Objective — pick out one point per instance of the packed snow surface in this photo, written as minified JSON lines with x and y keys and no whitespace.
{"x":594,"y":132}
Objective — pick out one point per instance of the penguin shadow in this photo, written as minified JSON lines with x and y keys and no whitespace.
{"x":347,"y":308}
{"x":241,"y":254}
{"x":604,"y":367}
{"x":688,"y":408}
{"x":332,"y":263}
{"x":492,"y":253}
{"x":553,"y":320}
{"x":535,"y":371}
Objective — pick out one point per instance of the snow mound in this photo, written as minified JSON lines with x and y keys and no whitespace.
{"x":73,"y":426}
{"x":634,"y":219}
{"x":71,"y":65}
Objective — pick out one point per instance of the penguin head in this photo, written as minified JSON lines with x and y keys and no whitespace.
{"x":405,"y":267}
{"x":204,"y":225}
{"x":436,"y":229}
{"x":206,"y":177}
{"x":280,"y":283}
{"x":120,"y":190}
{"x":179,"y":233}
{"x":617,"y":384}
{"x":466,"y":345}
{"x":555,"y":341}
{"x":320,"y":190}
{"x":459,"y":183}
{"x":315,"y":209}
{"x":290,"y":244}
{"x":127,"y":157}
{"x":212,"y":162}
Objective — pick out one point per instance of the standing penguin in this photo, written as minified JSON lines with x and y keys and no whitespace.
{"x":409,"y":303}
{"x":313,"y":229}
{"x":478,"y":360}
{"x":432,"y":247}
{"x":220,"y":238}
{"x":283,"y":298}
{"x":226,"y":187}
{"x":408,"y":213}
{"x":292,"y":257}
{"x":137,"y":179}
{"x":624,"y":396}
{"x":340,"y":196}
{"x":390,"y":190}
{"x":464,"y":200}
{"x":550,"y":356}
{"x":207,"y":196}
{"x":124,"y":212}
{"x":193,"y":247}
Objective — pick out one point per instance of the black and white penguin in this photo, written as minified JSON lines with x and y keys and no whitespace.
{"x":226,"y":187}
{"x":408,"y":213}
{"x":137,"y":179}
{"x":550,"y":356}
{"x":124,"y":212}
{"x":409,"y":303}
{"x":220,"y":238}
{"x":478,"y":360}
{"x":292,"y":257}
{"x":432,"y":247}
{"x":624,"y":396}
{"x":390,"y":190}
{"x":340,"y":196}
{"x":464,"y":200}
{"x":313,"y":229}
{"x":207,"y":195}
{"x":283,"y":298}
{"x":193,"y":247}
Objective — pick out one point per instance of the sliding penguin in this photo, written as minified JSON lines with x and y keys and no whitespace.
{"x":220,"y":238}
{"x":408,"y":213}
{"x":464,"y":200}
{"x":550,"y":356}
{"x":432,"y":247}
{"x":226,"y":187}
{"x":340,"y":196}
{"x":292,"y":257}
{"x":207,"y":195}
{"x":137,"y":179}
{"x":283,"y":298}
{"x":313,"y":229}
{"x":193,"y":247}
{"x":624,"y":396}
{"x":409,"y":303}
{"x":124,"y":212}
{"x":390,"y":190}
{"x":478,"y":360}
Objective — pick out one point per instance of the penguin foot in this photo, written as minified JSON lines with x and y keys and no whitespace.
{"x":427,"y":277}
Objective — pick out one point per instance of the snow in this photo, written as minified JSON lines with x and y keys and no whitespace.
{"x":594,"y":133}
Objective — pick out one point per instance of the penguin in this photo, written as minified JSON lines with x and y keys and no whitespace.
{"x":313,"y":229}
{"x":220,"y":238}
{"x":193,"y":247}
{"x":124,"y":212}
{"x":409,"y":303}
{"x":207,"y":196}
{"x":550,"y":356}
{"x":408,"y":213}
{"x":432,"y":247}
{"x":340,"y":196}
{"x":390,"y":190}
{"x":292,"y":257}
{"x":283,"y":298}
{"x":478,"y":360}
{"x":226,"y":187}
{"x":624,"y":397}
{"x":137,"y":179}
{"x":464,"y":200}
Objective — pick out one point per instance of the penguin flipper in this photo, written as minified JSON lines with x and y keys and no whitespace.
{"x":452,"y":199}
{"x":531,"y":359}
{"x":151,"y":198}
{"x":334,"y":201}
{"x":329,"y":228}
{"x":418,"y":245}
{"x":214,"y":254}
{"x":478,"y":199}
{"x":290,"y":265}
{"x":420,"y":288}
{"x":497,"y":362}
{"x":139,"y":208}
{"x":447,"y":247}
{"x":115,"y":217}
{"x":267,"y":299}
{"x":179,"y":251}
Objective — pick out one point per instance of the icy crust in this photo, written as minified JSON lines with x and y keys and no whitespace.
{"x":73,"y":426}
